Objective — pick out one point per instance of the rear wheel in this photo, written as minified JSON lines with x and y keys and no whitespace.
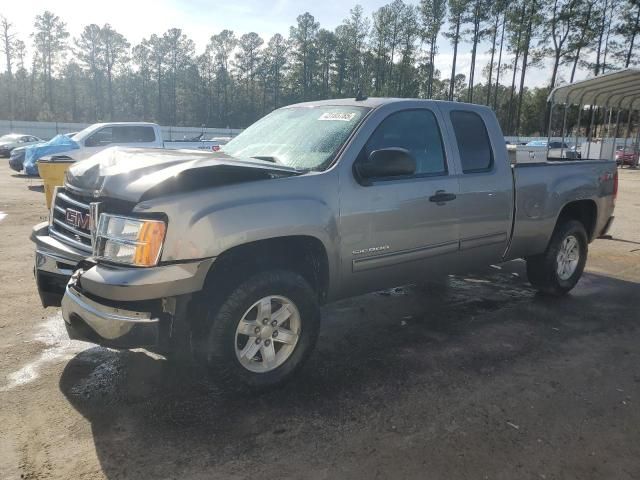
{"x":558,"y":269}
{"x":263,"y":331}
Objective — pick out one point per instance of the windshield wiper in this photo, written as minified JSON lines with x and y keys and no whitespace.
{"x":272,"y":159}
{"x":268,"y":158}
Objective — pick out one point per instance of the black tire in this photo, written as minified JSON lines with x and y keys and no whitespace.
{"x":542,"y":269}
{"x":220,"y":356}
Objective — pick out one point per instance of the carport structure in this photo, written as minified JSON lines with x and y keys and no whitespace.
{"x":617,"y":94}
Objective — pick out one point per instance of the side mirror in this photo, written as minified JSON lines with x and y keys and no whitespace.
{"x":387,"y":162}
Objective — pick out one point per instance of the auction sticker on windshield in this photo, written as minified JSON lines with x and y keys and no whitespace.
{"x":340,"y":116}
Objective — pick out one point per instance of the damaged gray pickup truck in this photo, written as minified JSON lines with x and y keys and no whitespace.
{"x":228,"y":256}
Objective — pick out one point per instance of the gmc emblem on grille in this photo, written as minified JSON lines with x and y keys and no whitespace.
{"x":77,"y":219}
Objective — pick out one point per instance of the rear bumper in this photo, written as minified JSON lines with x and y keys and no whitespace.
{"x":607,"y":226}
{"x":16,"y":163}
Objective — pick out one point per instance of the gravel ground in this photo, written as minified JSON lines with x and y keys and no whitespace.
{"x":479,"y":379}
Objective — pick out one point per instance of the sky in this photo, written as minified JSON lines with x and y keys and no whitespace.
{"x":199,"y":19}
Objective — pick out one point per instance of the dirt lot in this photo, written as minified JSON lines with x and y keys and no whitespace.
{"x":483,"y":379}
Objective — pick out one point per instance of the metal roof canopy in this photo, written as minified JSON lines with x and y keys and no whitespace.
{"x":616,"y":90}
{"x":612,"y":90}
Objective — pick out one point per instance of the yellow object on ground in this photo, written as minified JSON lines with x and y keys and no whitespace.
{"x":53,"y":175}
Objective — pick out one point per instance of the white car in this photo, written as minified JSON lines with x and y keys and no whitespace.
{"x":12,"y":140}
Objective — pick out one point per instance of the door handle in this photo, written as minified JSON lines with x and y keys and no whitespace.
{"x":441,"y":197}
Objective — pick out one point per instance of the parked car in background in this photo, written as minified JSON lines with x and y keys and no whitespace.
{"x":12,"y":140}
{"x":544,"y":143}
{"x":627,"y":155}
{"x":229,"y":256}
{"x":16,"y":160}
{"x":102,"y":135}
{"x":553,"y":150}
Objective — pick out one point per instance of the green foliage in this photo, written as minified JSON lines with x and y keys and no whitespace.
{"x":240,"y":77}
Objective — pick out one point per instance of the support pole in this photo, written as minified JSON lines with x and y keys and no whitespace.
{"x":634,"y":160}
{"x":608,"y":131}
{"x":580,"y":107}
{"x":615,"y":135}
{"x":626,"y":136}
{"x":564,"y":126}
{"x":549,"y":130}
{"x":590,"y":136}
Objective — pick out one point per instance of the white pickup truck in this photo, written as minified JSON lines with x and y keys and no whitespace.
{"x":127,"y":134}
{"x":130,"y":134}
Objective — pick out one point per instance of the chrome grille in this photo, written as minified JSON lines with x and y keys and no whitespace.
{"x":60,"y":227}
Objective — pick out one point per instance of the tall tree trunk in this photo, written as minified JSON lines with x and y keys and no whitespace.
{"x":600,"y":35}
{"x":110,"y":93}
{"x":476,"y":34}
{"x":159,"y":79}
{"x":606,"y":41}
{"x":554,"y":71}
{"x":493,"y":53}
{"x":513,"y":80}
{"x":583,"y":28}
{"x":456,"y":39}
{"x":432,"y":57}
{"x":7,"y":50}
{"x":525,"y":56}
{"x":633,"y":38}
{"x":499,"y":66}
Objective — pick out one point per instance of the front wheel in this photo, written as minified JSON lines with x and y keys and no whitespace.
{"x":263,"y":331}
{"x":558,"y":269}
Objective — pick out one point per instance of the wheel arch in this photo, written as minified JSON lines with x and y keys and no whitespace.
{"x":303,"y":254}
{"x":585,"y":211}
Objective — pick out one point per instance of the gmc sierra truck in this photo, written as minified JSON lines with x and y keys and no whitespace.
{"x":228,"y":257}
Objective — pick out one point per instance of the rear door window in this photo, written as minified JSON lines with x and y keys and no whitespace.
{"x":472,"y":138}
{"x":133,"y":134}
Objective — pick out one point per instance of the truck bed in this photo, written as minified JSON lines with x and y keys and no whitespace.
{"x":543,"y":188}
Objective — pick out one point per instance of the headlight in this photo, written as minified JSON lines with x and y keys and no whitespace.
{"x":127,"y":240}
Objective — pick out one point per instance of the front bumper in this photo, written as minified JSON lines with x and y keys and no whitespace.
{"x":54,"y":264}
{"x":128,"y":307}
{"x":86,"y":319}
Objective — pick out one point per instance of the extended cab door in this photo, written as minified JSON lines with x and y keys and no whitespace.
{"x":121,"y":135}
{"x":400,"y":228}
{"x":485,"y":198}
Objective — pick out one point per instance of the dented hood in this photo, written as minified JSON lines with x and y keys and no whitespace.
{"x":137,"y":174}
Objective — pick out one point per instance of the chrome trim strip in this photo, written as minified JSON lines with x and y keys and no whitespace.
{"x":483,"y":240}
{"x":107,"y":313}
{"x":60,"y":209}
{"x":121,"y":240}
{"x":402,"y":256}
{"x":74,"y":230}
{"x":70,"y":200}
{"x":65,"y":239}
{"x":81,"y":191}
{"x":47,"y":262}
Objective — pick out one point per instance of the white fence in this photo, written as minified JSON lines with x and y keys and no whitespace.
{"x":569,"y":140}
{"x":47,"y":130}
